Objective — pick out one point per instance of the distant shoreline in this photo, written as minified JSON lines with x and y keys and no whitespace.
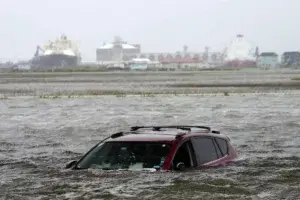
{"x":87,"y":69}
{"x":292,"y":84}
{"x":149,"y":83}
{"x":100,"y":70}
{"x":149,"y":71}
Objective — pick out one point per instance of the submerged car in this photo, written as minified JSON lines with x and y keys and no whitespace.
{"x":159,"y":148}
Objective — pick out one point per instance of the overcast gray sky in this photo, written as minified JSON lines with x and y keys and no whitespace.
{"x":158,"y":25}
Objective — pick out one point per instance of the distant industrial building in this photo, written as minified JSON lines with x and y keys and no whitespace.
{"x":240,"y":53}
{"x":143,"y":64}
{"x":186,"y":57}
{"x":120,"y":52}
{"x":268,"y":60}
{"x":117,"y":51}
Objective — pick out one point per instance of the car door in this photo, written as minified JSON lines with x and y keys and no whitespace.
{"x":185,"y":154}
{"x":206,"y":151}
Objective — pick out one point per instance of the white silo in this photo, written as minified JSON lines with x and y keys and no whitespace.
{"x":239,"y":53}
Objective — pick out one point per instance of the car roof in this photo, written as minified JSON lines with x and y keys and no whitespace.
{"x":144,"y":137}
{"x":162,"y":135}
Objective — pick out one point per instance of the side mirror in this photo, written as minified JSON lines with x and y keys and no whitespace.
{"x":180,"y":166}
{"x":70,"y":164}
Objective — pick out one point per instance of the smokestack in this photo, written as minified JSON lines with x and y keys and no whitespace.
{"x":256,"y":51}
{"x":185,"y":49}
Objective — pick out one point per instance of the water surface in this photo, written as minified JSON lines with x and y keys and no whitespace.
{"x":38,"y":136}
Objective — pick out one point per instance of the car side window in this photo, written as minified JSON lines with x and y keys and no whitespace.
{"x":223,"y":145}
{"x":220,"y":155}
{"x":184,"y":155}
{"x":204,"y":149}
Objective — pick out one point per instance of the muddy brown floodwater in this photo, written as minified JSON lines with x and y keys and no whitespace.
{"x":39,"y":135}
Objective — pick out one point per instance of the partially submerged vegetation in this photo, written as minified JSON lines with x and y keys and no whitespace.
{"x":95,"y":93}
{"x":289,"y":176}
{"x":121,"y":93}
{"x":142,"y":83}
{"x":249,"y":84}
{"x":116,"y":93}
{"x":214,"y":186}
{"x":296,"y":79}
{"x":3,"y":97}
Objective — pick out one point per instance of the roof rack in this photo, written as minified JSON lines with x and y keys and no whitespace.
{"x":157,"y":128}
{"x":215,"y":132}
{"x":182,"y":127}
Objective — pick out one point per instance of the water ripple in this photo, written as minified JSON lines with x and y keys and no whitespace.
{"x":39,"y":136}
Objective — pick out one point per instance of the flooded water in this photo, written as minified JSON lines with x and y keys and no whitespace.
{"x":38,"y":136}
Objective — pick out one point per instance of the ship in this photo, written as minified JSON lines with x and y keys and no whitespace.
{"x":239,"y":54}
{"x":59,"y":53}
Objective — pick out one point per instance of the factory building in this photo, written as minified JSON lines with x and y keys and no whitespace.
{"x":239,"y":53}
{"x":117,"y":51}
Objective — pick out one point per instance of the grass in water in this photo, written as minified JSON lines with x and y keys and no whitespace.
{"x":237,"y":85}
{"x":117,"y":94}
{"x":217,"y":186}
{"x":3,"y":97}
{"x":287,"y":176}
{"x":96,"y":93}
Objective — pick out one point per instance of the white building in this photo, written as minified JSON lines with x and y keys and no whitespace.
{"x":240,"y":53}
{"x":117,"y":51}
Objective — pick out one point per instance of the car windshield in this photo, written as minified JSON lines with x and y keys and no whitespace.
{"x":126,"y":155}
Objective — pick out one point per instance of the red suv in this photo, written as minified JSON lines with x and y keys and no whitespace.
{"x":159,"y":148}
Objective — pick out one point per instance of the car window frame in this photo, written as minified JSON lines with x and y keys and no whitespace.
{"x":227,"y":148}
{"x":218,"y":149}
{"x":192,"y":154}
{"x":209,"y":137}
{"x":101,"y":143}
{"x":191,"y":151}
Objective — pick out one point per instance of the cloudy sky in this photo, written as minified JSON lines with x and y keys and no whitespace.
{"x":158,"y":25}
